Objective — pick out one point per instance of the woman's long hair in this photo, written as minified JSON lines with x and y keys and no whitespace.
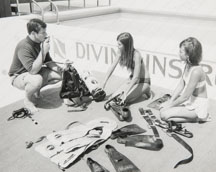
{"x":128,"y":52}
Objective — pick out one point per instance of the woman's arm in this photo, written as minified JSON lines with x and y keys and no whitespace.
{"x":194,"y":79}
{"x":178,"y":90}
{"x":176,"y":93}
{"x":111,"y":69}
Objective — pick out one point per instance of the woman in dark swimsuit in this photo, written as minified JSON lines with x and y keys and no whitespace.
{"x":138,"y":83}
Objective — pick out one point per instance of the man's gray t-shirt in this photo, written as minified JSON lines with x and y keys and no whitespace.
{"x":25,"y":54}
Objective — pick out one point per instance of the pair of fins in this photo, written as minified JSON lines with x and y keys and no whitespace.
{"x":121,"y":111}
{"x":128,"y":135}
{"x":148,"y":142}
{"x":120,"y":162}
{"x":127,"y":130}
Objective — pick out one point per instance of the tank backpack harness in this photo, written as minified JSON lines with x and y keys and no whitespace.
{"x":97,"y":92}
{"x":172,"y":129}
{"x":72,"y":84}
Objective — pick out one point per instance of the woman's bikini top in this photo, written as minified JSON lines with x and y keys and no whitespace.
{"x":200,"y":85}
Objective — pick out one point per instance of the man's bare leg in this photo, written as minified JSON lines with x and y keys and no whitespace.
{"x":33,"y":85}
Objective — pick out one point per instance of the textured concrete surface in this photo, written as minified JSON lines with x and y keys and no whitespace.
{"x":54,"y":115}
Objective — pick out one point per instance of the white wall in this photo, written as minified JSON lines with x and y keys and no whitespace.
{"x":189,"y":7}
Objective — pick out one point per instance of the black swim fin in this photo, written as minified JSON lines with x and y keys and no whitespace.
{"x":95,"y":167}
{"x":121,"y":112}
{"x":148,"y":142}
{"x":120,"y":162}
{"x":127,"y":130}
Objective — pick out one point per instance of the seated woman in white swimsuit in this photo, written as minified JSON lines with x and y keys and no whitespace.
{"x":189,"y":102}
{"x":138,"y":83}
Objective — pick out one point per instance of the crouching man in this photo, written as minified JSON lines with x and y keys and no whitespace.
{"x":32,"y":67}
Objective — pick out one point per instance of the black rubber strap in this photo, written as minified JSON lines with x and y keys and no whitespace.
{"x":20,"y":113}
{"x":155,"y":131}
{"x":145,"y":116}
{"x":186,"y":146}
{"x":152,"y":117}
{"x":149,"y":121}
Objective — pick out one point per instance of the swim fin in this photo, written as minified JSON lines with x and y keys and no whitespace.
{"x":156,"y":103}
{"x":148,"y":142}
{"x":120,"y":162}
{"x":95,"y":167}
{"x":127,"y":130}
{"x":121,"y":112}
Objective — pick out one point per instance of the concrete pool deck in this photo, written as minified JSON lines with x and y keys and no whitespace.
{"x":54,"y":115}
{"x":163,"y":37}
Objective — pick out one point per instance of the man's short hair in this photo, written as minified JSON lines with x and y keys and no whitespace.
{"x":35,"y":25}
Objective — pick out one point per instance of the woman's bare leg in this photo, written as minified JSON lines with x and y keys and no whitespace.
{"x":138,"y":91}
{"x":178,"y":114}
